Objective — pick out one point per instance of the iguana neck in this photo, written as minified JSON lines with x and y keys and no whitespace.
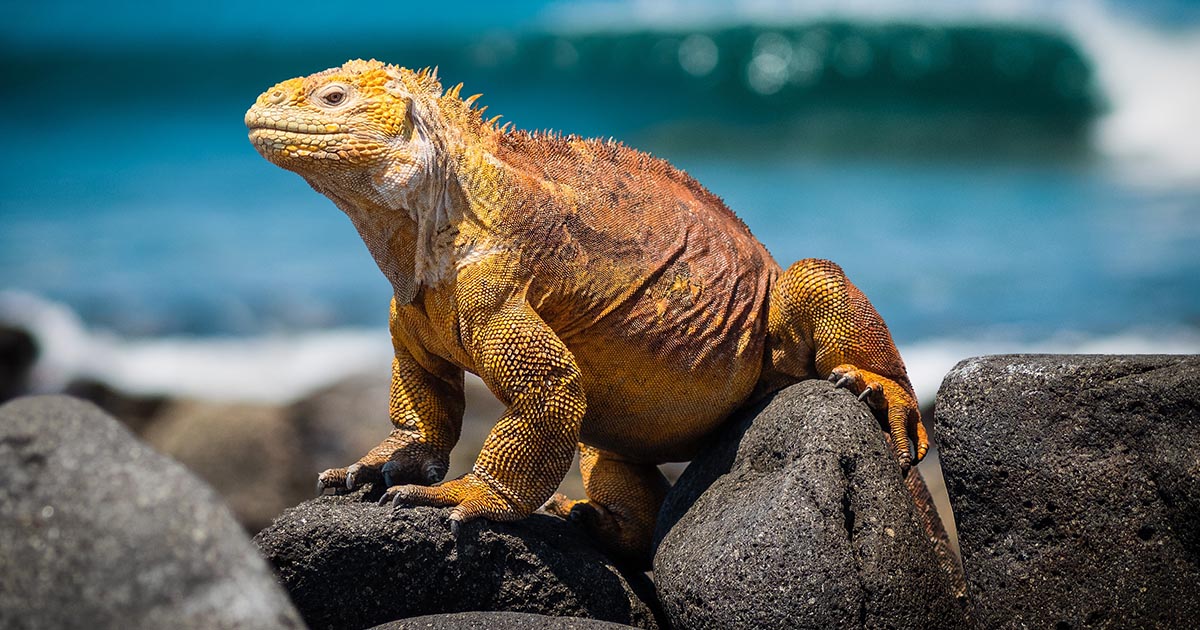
{"x":413,"y":229}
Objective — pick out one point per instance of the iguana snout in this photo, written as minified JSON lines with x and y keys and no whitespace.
{"x":335,"y":126}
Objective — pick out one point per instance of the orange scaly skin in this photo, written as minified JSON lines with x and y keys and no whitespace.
{"x":609,"y":300}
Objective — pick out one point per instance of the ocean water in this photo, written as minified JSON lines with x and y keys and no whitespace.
{"x":996,"y":176}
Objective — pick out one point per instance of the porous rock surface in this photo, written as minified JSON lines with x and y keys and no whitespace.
{"x":97,"y":530}
{"x":350,"y":563}
{"x":798,"y":517}
{"x":1076,"y":484}
{"x":497,"y":621}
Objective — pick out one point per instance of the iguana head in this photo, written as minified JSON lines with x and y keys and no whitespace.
{"x":350,"y":131}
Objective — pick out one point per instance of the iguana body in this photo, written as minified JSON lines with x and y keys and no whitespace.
{"x":609,"y":300}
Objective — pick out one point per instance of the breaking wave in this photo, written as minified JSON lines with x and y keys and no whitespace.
{"x":1139,"y":64}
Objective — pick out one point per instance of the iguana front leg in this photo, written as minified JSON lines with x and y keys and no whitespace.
{"x":819,"y":320}
{"x":530,"y":448}
{"x":426,"y":407}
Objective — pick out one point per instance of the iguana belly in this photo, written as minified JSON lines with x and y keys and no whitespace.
{"x":670,"y":357}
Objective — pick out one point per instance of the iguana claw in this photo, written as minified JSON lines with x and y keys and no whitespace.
{"x":841,"y":382}
{"x":896,"y":405}
{"x":351,"y":473}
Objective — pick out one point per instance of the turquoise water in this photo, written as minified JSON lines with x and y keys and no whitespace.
{"x":978,"y":177}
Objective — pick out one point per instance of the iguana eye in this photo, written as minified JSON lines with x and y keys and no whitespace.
{"x":333,"y":95}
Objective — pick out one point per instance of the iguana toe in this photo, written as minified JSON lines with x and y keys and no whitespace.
{"x":469,"y":495}
{"x":358,"y":474}
{"x":896,"y":406}
{"x":333,"y":478}
{"x":559,"y":505}
{"x":840,"y":380}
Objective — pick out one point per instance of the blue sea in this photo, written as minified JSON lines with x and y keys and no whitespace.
{"x":996,"y":176}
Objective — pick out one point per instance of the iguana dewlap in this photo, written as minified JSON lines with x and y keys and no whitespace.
{"x":608,"y":299}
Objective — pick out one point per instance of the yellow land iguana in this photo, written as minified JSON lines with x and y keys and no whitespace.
{"x":608,"y":299}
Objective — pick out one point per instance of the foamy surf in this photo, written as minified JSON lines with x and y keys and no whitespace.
{"x":279,"y":368}
{"x":1149,"y":76}
{"x":267,"y":368}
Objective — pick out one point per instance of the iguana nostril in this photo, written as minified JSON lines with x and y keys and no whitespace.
{"x":275,"y":97}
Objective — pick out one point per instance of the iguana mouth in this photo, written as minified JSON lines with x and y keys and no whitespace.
{"x":300,"y":129}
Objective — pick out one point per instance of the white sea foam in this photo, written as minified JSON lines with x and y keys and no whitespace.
{"x":1146,"y":73}
{"x":271,"y":368}
{"x":280,"y":368}
{"x":1151,"y":78}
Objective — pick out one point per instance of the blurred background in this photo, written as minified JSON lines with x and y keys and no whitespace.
{"x":998,"y":176}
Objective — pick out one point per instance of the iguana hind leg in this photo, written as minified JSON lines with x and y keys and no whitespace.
{"x":622,"y":505}
{"x":820,"y":322}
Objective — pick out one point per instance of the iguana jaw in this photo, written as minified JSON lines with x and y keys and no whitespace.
{"x":289,"y":149}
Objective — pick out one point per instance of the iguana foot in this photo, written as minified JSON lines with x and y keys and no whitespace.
{"x":559,"y":505}
{"x":334,"y":478}
{"x":589,"y":514}
{"x":896,"y":405}
{"x":469,"y":495}
{"x":621,"y":510}
{"x":397,"y":460}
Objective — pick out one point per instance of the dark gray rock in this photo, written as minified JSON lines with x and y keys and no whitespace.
{"x":349,"y":563}
{"x":1076,"y":483}
{"x":18,"y":353}
{"x":99,"y":531}
{"x":798,"y":517}
{"x":497,"y":621}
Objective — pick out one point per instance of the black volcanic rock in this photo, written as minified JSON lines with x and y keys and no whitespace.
{"x":349,"y":563}
{"x":1076,"y":484}
{"x":798,"y":517}
{"x":18,"y":353}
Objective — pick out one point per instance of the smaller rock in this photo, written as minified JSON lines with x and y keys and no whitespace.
{"x":99,"y":531}
{"x":18,"y":352}
{"x":339,"y":423}
{"x":350,"y":563}
{"x":136,"y":411}
{"x":498,"y":621}
{"x":799,"y":517}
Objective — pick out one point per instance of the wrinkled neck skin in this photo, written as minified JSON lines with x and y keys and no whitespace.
{"x":408,"y":209}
